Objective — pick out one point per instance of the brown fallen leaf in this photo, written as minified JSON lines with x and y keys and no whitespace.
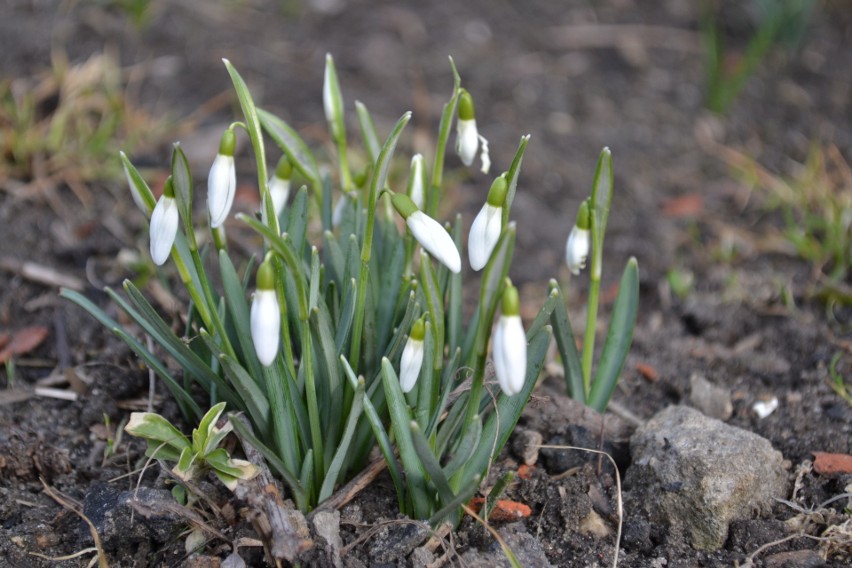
{"x":24,"y":341}
{"x":826,"y":463}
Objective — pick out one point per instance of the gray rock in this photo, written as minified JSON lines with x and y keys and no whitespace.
{"x":704,"y":474}
{"x":712,"y":400}
{"x":526,"y":548}
{"x":327,"y":526}
{"x":396,"y":541}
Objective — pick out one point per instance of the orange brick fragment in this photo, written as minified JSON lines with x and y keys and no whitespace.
{"x":648,"y":372}
{"x":504,"y":511}
{"x":826,"y":463}
{"x":525,"y":471}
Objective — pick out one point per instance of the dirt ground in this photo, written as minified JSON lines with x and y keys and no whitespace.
{"x":577,"y":76}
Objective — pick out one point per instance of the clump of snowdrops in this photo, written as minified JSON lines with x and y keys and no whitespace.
{"x":358,"y":340}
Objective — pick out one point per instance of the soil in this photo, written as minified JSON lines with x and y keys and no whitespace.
{"x":577,"y":76}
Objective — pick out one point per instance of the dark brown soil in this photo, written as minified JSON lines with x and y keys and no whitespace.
{"x":570,"y":74}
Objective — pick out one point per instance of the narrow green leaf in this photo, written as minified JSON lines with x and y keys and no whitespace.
{"x":314,"y":283}
{"x":543,"y":315}
{"x":446,"y":387}
{"x":433,"y":468}
{"x":380,"y":433}
{"x":464,"y":495}
{"x":138,"y":183}
{"x":434,"y":306}
{"x":400,"y":421}
{"x":333,"y":256}
{"x":455,"y":295}
{"x":297,"y":221}
{"x":467,"y":444}
{"x":424,"y":387}
{"x":235,"y":301}
{"x":567,"y":346}
{"x":347,"y":315}
{"x":252,"y":124}
{"x":368,"y":131}
{"x":334,"y":469}
{"x":447,"y":115}
{"x":618,"y":339}
{"x":512,"y":178}
{"x":201,"y":434}
{"x":182,"y":182}
{"x":291,"y":144}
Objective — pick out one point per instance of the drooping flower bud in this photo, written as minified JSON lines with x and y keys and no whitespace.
{"x":486,"y":227}
{"x":417,"y":181}
{"x":222,"y":181}
{"x":579,"y":241}
{"x":428,"y":232}
{"x":265,"y":316}
{"x":412,"y":357}
{"x":467,"y":134}
{"x":279,"y":184}
{"x":164,"y":224}
{"x":332,"y":100}
{"x":510,"y":345}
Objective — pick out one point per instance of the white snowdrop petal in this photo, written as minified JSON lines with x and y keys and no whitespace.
{"x":221,"y":188}
{"x":164,"y":226}
{"x":435,"y":239}
{"x":577,"y":249}
{"x":467,"y":140}
{"x":410,"y":364}
{"x":484,"y":234}
{"x":510,"y":354}
{"x":265,"y":325}
{"x":417,"y":190}
{"x":279,"y":191}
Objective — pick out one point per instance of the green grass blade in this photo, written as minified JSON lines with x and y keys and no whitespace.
{"x":368,"y":131}
{"x":340,"y":455}
{"x":252,"y":125}
{"x":430,"y":463}
{"x":567,"y":346}
{"x":455,"y":294}
{"x":618,"y":339}
{"x":467,"y":444}
{"x":512,"y":178}
{"x":138,"y":183}
{"x":235,"y":301}
{"x":434,"y":306}
{"x":292,"y":145}
{"x":461,"y":498}
{"x":400,"y":422}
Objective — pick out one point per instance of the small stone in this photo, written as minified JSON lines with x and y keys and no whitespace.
{"x":422,"y":557}
{"x":594,"y":525}
{"x":710,"y":399}
{"x":703,"y":474}
{"x":526,"y":548}
{"x":525,"y":445}
{"x":327,"y":527}
{"x":397,"y":542}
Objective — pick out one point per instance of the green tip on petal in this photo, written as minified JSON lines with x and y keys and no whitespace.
{"x":465,"y":106}
{"x":584,"y":216}
{"x":265,"y":276}
{"x":284,"y":169}
{"x":228,"y":144}
{"x":403,"y":205}
{"x":497,"y":193}
{"x":511,"y":304}
{"x":169,"y":188}
{"x":418,"y":330}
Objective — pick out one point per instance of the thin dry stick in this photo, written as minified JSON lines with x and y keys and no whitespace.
{"x":617,"y":485}
{"x":348,"y":492}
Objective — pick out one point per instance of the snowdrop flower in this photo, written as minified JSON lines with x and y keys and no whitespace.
{"x":222,"y":181}
{"x":332,"y":101}
{"x":412,"y":357}
{"x":428,"y":232}
{"x":279,"y":184}
{"x":577,"y":247}
{"x":265,"y":316}
{"x":486,"y":228}
{"x":417,"y":181}
{"x":510,"y":345}
{"x":467,"y":135}
{"x":164,"y":224}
